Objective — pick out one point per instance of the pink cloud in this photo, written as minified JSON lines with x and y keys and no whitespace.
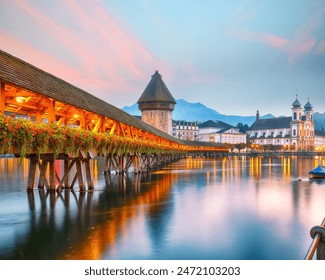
{"x":301,"y":43}
{"x":86,"y":47}
{"x":273,"y":40}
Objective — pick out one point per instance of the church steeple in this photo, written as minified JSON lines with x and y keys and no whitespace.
{"x":308,"y":110}
{"x":296,"y":109}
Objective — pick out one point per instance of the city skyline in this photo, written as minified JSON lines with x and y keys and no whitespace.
{"x":233,"y":56}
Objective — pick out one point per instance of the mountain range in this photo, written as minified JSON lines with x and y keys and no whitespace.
{"x":198,"y":112}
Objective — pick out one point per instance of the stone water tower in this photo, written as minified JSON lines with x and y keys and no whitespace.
{"x":157,"y":104}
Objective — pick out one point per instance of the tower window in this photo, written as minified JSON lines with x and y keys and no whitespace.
{"x":294,"y":132}
{"x":295,"y":115}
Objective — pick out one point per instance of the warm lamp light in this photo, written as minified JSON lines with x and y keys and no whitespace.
{"x":20,"y":99}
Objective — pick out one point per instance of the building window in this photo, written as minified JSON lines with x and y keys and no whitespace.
{"x":294,"y":132}
{"x":294,"y":115}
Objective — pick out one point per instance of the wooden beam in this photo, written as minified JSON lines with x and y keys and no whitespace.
{"x":82,"y":119}
{"x":38,"y":115}
{"x":98,"y":124}
{"x":79,"y":175}
{"x":31,"y":172}
{"x":88,"y":175}
{"x":113,"y":129}
{"x":51,"y":111}
{"x":121,"y":129}
{"x":60,"y":121}
{"x":2,"y":98}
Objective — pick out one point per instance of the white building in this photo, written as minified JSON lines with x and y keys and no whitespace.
{"x":220,"y":132}
{"x":185,"y":130}
{"x":295,"y":132}
{"x":320,"y":140}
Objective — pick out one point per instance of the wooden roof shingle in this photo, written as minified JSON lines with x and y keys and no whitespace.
{"x":156,"y":91}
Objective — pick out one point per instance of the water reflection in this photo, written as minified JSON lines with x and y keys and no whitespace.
{"x":227,"y":208}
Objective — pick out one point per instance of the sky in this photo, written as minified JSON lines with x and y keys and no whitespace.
{"x":233,"y":56}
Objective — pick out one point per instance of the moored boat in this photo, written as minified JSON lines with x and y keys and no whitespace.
{"x":318,"y":172}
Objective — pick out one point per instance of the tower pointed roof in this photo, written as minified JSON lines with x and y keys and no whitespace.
{"x":156,"y":91}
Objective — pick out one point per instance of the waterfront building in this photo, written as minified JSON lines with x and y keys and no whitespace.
{"x":296,"y":132}
{"x":220,"y":132}
{"x":320,"y":140}
{"x":157,"y":104}
{"x":185,"y":130}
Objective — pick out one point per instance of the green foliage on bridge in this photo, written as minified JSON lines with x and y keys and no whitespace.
{"x":26,"y":137}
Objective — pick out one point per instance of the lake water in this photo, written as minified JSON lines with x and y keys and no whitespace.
{"x":228,"y":208}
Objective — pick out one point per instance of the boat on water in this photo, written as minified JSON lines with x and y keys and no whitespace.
{"x":318,"y":172}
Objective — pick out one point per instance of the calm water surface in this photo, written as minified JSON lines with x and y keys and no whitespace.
{"x":231,"y":208}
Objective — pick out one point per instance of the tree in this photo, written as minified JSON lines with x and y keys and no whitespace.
{"x":242,"y":127}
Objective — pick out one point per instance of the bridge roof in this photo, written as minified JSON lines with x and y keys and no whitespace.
{"x":22,"y":74}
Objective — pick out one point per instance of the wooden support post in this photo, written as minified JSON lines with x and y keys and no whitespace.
{"x":88,"y":175}
{"x":136,"y":164}
{"x":128,"y":162}
{"x":121,"y":164}
{"x":108,"y":163}
{"x":65,"y":178}
{"x":42,"y":176}
{"x":79,"y":175}
{"x":73,"y":181}
{"x":2,"y":98}
{"x":31,"y":172}
{"x":52,"y":174}
{"x":148,"y":163}
{"x":66,"y":173}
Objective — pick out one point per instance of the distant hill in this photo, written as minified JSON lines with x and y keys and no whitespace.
{"x":198,"y":112}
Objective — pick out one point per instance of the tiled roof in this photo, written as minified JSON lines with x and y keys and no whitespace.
{"x":228,"y":128}
{"x":156,"y":91}
{"x":273,"y":123}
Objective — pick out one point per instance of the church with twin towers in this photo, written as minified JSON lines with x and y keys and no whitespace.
{"x":296,"y":132}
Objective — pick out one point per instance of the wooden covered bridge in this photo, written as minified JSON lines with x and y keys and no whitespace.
{"x":52,"y":122}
